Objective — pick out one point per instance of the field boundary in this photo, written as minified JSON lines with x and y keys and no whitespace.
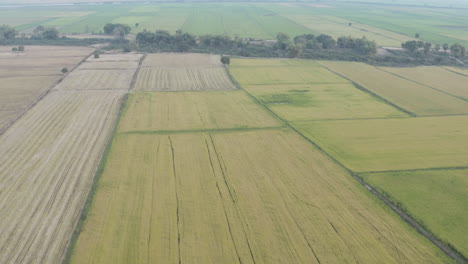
{"x":214,"y":130}
{"x":448,"y":250}
{"x":412,"y":170}
{"x":41,"y":96}
{"x":370,"y":92}
{"x":137,"y":72}
{"x":459,"y":73}
{"x":66,"y":257}
{"x":425,"y":85}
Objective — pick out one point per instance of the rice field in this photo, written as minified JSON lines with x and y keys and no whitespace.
{"x":181,"y":60}
{"x":263,"y":75}
{"x":149,"y":111}
{"x":436,"y":198}
{"x":437,"y":78}
{"x":393,"y":144}
{"x":413,"y":97}
{"x":243,"y":197}
{"x":48,"y":159}
{"x":301,"y":102}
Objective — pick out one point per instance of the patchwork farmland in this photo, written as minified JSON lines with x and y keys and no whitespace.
{"x":193,"y":171}
{"x":175,"y":158}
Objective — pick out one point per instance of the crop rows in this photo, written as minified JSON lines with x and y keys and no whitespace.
{"x":47,"y":162}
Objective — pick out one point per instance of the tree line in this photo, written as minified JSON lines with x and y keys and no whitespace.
{"x":419,"y":47}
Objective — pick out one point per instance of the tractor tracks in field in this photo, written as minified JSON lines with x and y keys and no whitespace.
{"x":446,"y":249}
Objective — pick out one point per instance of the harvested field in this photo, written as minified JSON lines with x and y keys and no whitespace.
{"x":45,"y":52}
{"x":177,"y":60}
{"x":169,"y":111}
{"x":24,"y":63}
{"x":285,"y":75}
{"x":107,"y":57}
{"x":321,"y":101}
{"x":393,"y":144}
{"x":183,"y":79}
{"x":411,"y":96}
{"x":48,"y":159}
{"x":243,"y":197}
{"x":82,"y":79}
{"x":437,"y":198}
{"x":118,"y":65}
{"x":6,"y":117}
{"x":436,"y":77}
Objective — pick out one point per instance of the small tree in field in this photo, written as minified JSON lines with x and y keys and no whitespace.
{"x":96,"y":55}
{"x":64,"y":70}
{"x":21,"y":48}
{"x":14,"y":49}
{"x":225,"y":60}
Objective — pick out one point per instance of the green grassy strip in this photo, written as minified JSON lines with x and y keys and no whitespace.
{"x":92,"y":191}
{"x":214,"y":130}
{"x":447,"y":248}
{"x":371,"y":93}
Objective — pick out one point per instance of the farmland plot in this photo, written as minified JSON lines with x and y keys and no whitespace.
{"x":272,"y":62}
{"x":183,"y":79}
{"x":406,"y":94}
{"x":436,"y":77}
{"x":83,"y":79}
{"x":393,"y":144}
{"x":177,"y":60}
{"x":47,"y":162}
{"x":437,"y":198}
{"x":183,"y":72}
{"x":321,"y":101}
{"x":166,"y":111}
{"x":26,"y":76}
{"x":242,"y":197}
{"x":285,"y":75}
{"x":462,"y":71}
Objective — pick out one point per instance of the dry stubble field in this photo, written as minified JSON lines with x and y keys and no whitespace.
{"x":183,"y":72}
{"x":48,"y":159}
{"x":26,"y":76}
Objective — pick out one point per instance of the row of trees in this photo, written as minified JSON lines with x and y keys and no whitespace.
{"x":118,"y":30}
{"x":414,"y":46}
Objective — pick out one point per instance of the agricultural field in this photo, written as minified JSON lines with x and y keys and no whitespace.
{"x":27,"y":76}
{"x":298,"y":90}
{"x":435,"y":77}
{"x":169,"y":111}
{"x":97,"y":79}
{"x":408,"y":95}
{"x":393,"y":144}
{"x":428,"y":191}
{"x":461,"y":71}
{"x":157,"y":202}
{"x":388,"y":25}
{"x":183,"y":72}
{"x":48,"y":159}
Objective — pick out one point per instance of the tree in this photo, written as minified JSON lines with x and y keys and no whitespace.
{"x":437,"y":47}
{"x":350,"y":24}
{"x":7,"y":32}
{"x":411,"y":45}
{"x":37,"y":31}
{"x":50,"y":33}
{"x":20,"y":48}
{"x":225,"y":60}
{"x":294,"y":50}
{"x":445,"y":47}
{"x":137,"y":24}
{"x":326,"y":41}
{"x":283,"y":40}
{"x":96,"y":55}
{"x":457,"y":50}
{"x":365,"y":46}
{"x":416,"y":35}
{"x":119,"y":30}
{"x":427,"y":47}
{"x":14,"y":49}
{"x":64,"y":70}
